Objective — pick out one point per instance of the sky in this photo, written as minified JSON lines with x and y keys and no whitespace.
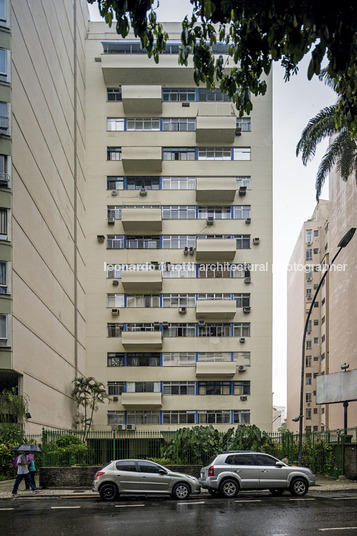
{"x":294,"y":103}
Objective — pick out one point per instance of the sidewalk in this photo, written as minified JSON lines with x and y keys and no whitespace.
{"x":322,"y":485}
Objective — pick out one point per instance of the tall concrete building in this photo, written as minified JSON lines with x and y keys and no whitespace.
{"x":178,"y":243}
{"x":42,"y":86}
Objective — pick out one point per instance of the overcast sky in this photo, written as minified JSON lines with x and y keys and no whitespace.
{"x":294,"y":103}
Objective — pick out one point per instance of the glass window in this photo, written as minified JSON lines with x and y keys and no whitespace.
{"x":143,"y":360}
{"x":308,"y":236}
{"x":178,"y":183}
{"x":214,"y":153}
{"x":212,"y":95}
{"x":115,"y":241}
{"x":244,"y":124}
{"x":143,"y":327}
{"x":3,"y":328}
{"x":3,"y":277}
{"x":213,"y":271}
{"x":149,"y":183}
{"x":218,"y":213}
{"x":3,"y":63}
{"x":178,"y":300}
{"x":4,"y":117}
{"x":214,"y":330}
{"x":115,"y":300}
{"x":265,"y":459}
{"x":214,"y":296}
{"x":241,"y":329}
{"x":178,"y":153}
{"x":179,"y":124}
{"x":143,"y":417}
{"x":309,"y":254}
{"x":178,"y":359}
{"x":115,"y":183}
{"x":178,"y":241}
{"x":143,"y":242}
{"x":126,"y":466}
{"x":178,"y":95}
{"x":241,"y":416}
{"x":179,"y":388}
{"x":143,"y":124}
{"x":179,"y":212}
{"x":116,"y":417}
{"x":214,"y":357}
{"x":114,"y":329}
{"x":241,"y":388}
{"x":241,"y":153}
{"x":113,"y":153}
{"x":214,"y":417}
{"x":214,"y":388}
{"x":143,"y":300}
{"x":115,"y":123}
{"x":3,"y":224}
{"x":143,"y":387}
{"x":114,"y":93}
{"x":241,"y":212}
{"x":242,"y":358}
{"x":243,"y":300}
{"x":149,"y":467}
{"x":308,"y":378}
{"x":115,"y":388}
{"x":114,"y":271}
{"x":114,"y":213}
{"x":178,"y":417}
{"x":177,"y":271}
{"x":178,"y":330}
{"x":243,"y":241}
{"x":245,"y":182}
{"x":114,"y":359}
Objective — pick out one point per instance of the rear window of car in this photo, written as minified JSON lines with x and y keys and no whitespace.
{"x":125,"y":466}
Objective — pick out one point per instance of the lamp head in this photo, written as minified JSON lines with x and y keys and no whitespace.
{"x":346,"y":238}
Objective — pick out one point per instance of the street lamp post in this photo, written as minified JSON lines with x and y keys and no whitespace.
{"x":342,"y":244}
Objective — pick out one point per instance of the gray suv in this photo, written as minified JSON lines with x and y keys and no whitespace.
{"x":227,"y":473}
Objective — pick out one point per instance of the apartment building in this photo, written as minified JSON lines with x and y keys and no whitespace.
{"x":42,"y":183}
{"x":178,"y":243}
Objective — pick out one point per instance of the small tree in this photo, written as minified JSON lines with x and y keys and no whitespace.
{"x":13,"y":406}
{"x":88,"y":393}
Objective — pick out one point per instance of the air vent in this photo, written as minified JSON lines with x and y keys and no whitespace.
{"x":97,"y":60}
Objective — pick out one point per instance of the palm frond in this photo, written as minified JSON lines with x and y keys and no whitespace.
{"x":347,"y":161}
{"x":330,"y":158}
{"x":318,"y":128}
{"x":326,"y":78}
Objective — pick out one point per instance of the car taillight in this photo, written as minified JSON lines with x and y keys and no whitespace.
{"x":100,"y":473}
{"x":211,"y":471}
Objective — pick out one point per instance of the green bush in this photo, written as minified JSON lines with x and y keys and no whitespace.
{"x":69,"y":449}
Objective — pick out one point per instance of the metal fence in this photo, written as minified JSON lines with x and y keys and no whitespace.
{"x":323,"y":452}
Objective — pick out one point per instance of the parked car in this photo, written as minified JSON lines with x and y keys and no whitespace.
{"x":227,"y":473}
{"x":138,"y":477}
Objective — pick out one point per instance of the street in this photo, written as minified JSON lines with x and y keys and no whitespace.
{"x":247,"y":515}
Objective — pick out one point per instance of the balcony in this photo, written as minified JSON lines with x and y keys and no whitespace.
{"x":141,"y":220}
{"x":142,"y":159}
{"x":142,"y":281}
{"x":140,"y":99}
{"x":210,"y":128}
{"x":215,"y":309}
{"x":141,"y":400}
{"x":215,"y":249}
{"x":225,"y":369}
{"x":212,"y":189}
{"x":141,"y":340}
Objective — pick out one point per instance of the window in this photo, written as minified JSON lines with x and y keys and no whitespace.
{"x":3,"y":278}
{"x":143,"y":242}
{"x":143,"y":387}
{"x":179,"y":212}
{"x":308,"y":236}
{"x":126,"y":466}
{"x":241,"y":212}
{"x":244,"y":181}
{"x":115,"y":123}
{"x":308,"y":361}
{"x":115,"y":241}
{"x":309,"y":325}
{"x":178,"y":95}
{"x":316,"y":340}
{"x":214,"y":330}
{"x":315,"y":251}
{"x":4,"y":118}
{"x":114,"y":93}
{"x":114,"y":329}
{"x":149,"y":183}
{"x":308,"y":414}
{"x":241,"y":329}
{"x":143,"y":327}
{"x":242,"y":358}
{"x":243,"y":300}
{"x":179,"y":330}
{"x":214,"y":417}
{"x":115,"y":183}
{"x":178,"y":417}
{"x":114,"y":213}
{"x":214,"y":153}
{"x":323,"y":320}
{"x":115,"y":300}
{"x":241,"y":153}
{"x":178,"y":359}
{"x":308,"y":295}
{"x":179,"y":388}
{"x":114,"y":359}
{"x":214,"y":357}
{"x":212,"y":95}
{"x":3,"y":5}
{"x":176,"y":271}
{"x":214,"y":296}
{"x":143,"y":300}
{"x":143,"y":124}
{"x":243,"y":241}
{"x":4,"y":330}
{"x":308,"y":429}
{"x":241,"y":416}
{"x":308,"y":397}
{"x":308,"y":345}
{"x":149,"y":467}
{"x":309,"y":254}
{"x":4,"y":64}
{"x":178,"y":241}
{"x":114,"y":271}
{"x":266,"y":460}
{"x":113,"y":153}
{"x":316,"y":411}
{"x":181,"y":124}
{"x":218,"y":213}
{"x":178,"y":300}
{"x":143,"y":360}
{"x":115,"y":388}
{"x":240,"y":459}
{"x":308,"y":378}
{"x":178,"y":153}
{"x":214,"y":388}
{"x":316,"y":322}
{"x":178,"y":183}
{"x":243,"y":124}
{"x":143,"y":417}
{"x":316,"y":232}
{"x":241,"y":388}
{"x":115,"y":417}
{"x":3,"y":224}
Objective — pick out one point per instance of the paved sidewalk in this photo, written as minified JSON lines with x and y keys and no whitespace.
{"x":341,"y":485}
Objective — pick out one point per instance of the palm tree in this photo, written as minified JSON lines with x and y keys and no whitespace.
{"x":342,"y":151}
{"x":87,"y":392}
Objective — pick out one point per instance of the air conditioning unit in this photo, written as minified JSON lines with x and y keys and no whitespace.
{"x":115,"y":398}
{"x":185,"y":251}
{"x":182,"y":310}
{"x":100,"y":238}
{"x":210,"y":220}
{"x":243,"y":398}
{"x":238,"y":131}
{"x":157,"y":324}
{"x":192,"y":250}
{"x":115,"y":312}
{"x":111,"y":220}
{"x":241,"y":368}
{"x":121,"y":427}
{"x":246,"y":309}
{"x":248,"y":221}
{"x":114,"y":193}
{"x":201,"y":323}
{"x":256,"y":241}
{"x":308,"y":404}
{"x":309,"y":297}
{"x":115,"y":283}
{"x":131,"y":427}
{"x":185,"y":104}
{"x":242,"y":191}
{"x":242,"y":340}
{"x":247,"y":280}
{"x":143,"y":191}
{"x":165,"y":324}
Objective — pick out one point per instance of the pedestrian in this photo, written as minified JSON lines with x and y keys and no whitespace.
{"x":23,"y":473}
{"x":285,"y":459}
{"x":32,"y":470}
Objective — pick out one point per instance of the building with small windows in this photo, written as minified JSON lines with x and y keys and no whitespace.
{"x":178,"y":243}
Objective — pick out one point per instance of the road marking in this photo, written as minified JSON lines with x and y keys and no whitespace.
{"x":191,"y":502}
{"x":6,"y":509}
{"x":344,"y":498}
{"x":64,"y":507}
{"x":128,"y":505}
{"x":339,"y":528}
{"x":248,"y":500}
{"x":301,"y":499}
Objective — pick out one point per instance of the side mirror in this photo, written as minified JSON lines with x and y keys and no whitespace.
{"x":162,"y":472}
{"x":280,"y":464}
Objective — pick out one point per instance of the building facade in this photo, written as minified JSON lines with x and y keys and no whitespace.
{"x":179,"y":243}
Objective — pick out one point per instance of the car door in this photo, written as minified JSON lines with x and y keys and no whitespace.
{"x":270,"y":474}
{"x":245,"y":468}
{"x":153,"y":480}
{"x":127,"y":476}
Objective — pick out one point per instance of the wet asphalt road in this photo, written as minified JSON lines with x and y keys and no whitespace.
{"x":329,"y":514}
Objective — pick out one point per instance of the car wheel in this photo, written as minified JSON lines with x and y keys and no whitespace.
{"x":181,"y":491}
{"x":277,"y":492}
{"x":213,"y":492}
{"x":229,"y":488}
{"x":299,"y":487}
{"x":108,"y":492}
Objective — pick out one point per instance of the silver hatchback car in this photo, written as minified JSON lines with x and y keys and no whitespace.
{"x":227,"y":473}
{"x":142,"y":477}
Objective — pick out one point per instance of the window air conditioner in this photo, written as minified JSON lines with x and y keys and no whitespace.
{"x":210,"y":220}
{"x":242,"y":340}
{"x":165,"y":324}
{"x":243,"y":398}
{"x":185,"y":250}
{"x":248,"y":220}
{"x":131,"y":427}
{"x":192,"y":250}
{"x":242,"y":191}
{"x":115,"y":312}
{"x":100,"y":238}
{"x":246,"y":309}
{"x":111,"y":220}
{"x":182,"y":310}
{"x":201,"y":323}
{"x":121,"y":427}
{"x":256,"y":241}
{"x":241,"y":368}
{"x":114,"y":193}
{"x":115,"y":398}
{"x":143,"y":191}
{"x":247,"y":280}
{"x":115,"y":283}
